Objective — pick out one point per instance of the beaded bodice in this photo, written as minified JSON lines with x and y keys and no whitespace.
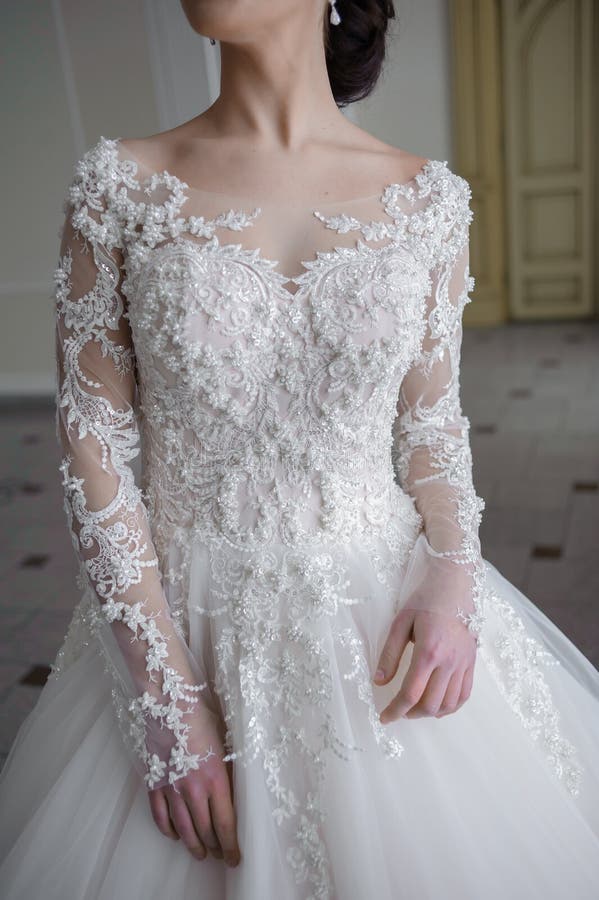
{"x":267,"y":412}
{"x":291,"y":424}
{"x":305,"y":466}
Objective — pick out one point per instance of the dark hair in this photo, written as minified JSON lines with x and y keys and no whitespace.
{"x":355,"y":49}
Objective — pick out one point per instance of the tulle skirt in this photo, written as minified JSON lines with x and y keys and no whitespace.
{"x":499,"y":799}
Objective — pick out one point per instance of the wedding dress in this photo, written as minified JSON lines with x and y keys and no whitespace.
{"x":305,"y":474}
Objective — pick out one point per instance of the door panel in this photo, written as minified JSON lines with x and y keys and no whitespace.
{"x":547,"y":65}
{"x":478,"y":151}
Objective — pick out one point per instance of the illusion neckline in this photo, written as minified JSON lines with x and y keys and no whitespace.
{"x":269,"y":268}
{"x":419,"y":177}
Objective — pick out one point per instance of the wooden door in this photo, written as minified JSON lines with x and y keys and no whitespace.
{"x":548,"y":88}
{"x":478,"y":149}
{"x":526,"y":132}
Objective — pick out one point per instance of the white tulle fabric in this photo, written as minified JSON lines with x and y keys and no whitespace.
{"x":183,"y":352}
{"x":305,"y":474}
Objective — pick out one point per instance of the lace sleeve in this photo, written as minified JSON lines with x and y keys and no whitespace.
{"x":431,"y":449}
{"x":97,"y":430}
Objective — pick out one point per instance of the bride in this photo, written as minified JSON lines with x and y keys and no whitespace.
{"x":291,"y":672}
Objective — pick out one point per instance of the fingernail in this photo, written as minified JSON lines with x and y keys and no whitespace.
{"x":379,"y":675}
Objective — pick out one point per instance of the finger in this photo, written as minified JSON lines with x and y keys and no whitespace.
{"x":231,"y":774}
{"x":182,"y":821}
{"x":466,"y":686}
{"x":433,"y":694}
{"x":398,"y":638}
{"x":413,"y":684}
{"x":161,"y":815}
{"x":224,"y":819}
{"x":452,"y":694}
{"x":199,"y":810}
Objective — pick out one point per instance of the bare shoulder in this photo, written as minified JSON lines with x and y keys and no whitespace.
{"x":406,"y":164}
{"x":159,"y":151}
{"x":393,"y":163}
{"x":153,"y":151}
{"x":351,"y":156}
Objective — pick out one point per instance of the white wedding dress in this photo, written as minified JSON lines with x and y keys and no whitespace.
{"x":305,"y":475}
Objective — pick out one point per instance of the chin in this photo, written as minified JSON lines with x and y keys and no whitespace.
{"x":236,"y":20}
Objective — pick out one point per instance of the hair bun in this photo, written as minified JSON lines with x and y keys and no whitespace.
{"x":355,"y":49}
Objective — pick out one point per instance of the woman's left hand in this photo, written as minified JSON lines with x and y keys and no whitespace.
{"x":440,"y":675}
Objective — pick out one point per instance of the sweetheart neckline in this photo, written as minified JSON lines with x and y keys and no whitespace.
{"x":254,"y":256}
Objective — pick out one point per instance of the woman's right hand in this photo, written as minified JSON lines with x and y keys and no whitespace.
{"x":201,"y":811}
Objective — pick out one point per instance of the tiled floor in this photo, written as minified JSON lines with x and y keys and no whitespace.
{"x":531,"y":392}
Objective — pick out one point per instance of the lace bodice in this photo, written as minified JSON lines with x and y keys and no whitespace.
{"x":315,"y":415}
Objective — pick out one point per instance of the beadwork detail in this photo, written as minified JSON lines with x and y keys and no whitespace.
{"x":284,"y":435}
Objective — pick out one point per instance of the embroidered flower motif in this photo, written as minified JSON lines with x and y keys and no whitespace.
{"x":283,"y":432}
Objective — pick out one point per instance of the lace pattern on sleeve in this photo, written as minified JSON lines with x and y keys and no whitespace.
{"x":431,"y":449}
{"x":97,"y":430}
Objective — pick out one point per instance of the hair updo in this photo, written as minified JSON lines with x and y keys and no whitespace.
{"x":355,"y":49}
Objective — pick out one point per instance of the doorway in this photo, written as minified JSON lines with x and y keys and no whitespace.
{"x":525,"y":125}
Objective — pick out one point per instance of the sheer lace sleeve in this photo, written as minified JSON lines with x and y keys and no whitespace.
{"x":98,"y":434}
{"x":431,"y":448}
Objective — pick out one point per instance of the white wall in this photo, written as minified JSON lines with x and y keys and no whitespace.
{"x":70,"y":75}
{"x":410,"y":107}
